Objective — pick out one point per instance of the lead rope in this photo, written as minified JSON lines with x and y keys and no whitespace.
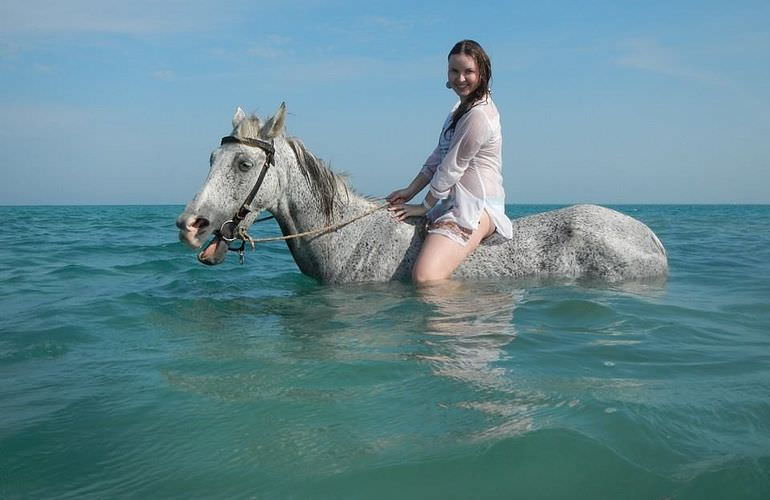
{"x":246,"y":237}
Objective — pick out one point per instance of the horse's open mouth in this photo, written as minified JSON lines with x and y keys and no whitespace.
{"x":214,"y":253}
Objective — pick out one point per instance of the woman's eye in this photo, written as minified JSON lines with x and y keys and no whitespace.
{"x":245,"y":165}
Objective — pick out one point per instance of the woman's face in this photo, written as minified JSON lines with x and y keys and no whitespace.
{"x":463,"y":74}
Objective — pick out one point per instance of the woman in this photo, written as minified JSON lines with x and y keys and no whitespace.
{"x":466,"y":201}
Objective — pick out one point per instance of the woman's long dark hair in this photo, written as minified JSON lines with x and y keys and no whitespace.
{"x":473,"y":49}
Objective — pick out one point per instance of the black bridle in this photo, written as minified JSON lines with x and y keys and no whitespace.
{"x":228,"y":231}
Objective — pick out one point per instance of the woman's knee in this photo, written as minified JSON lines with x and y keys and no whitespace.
{"x":424,"y":273}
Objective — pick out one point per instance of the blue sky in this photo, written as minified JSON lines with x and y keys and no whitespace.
{"x":601,"y":101}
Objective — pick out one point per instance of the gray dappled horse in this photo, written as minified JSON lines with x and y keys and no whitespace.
{"x":258,"y":167}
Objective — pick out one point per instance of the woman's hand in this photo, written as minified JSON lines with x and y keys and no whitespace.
{"x":400,"y":196}
{"x":402,"y":211}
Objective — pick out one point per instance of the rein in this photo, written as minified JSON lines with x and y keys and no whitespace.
{"x":236,"y":232}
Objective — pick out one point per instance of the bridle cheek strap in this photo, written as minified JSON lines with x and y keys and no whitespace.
{"x":244,"y":210}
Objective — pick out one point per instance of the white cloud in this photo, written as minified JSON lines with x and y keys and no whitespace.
{"x":271,"y":47}
{"x":649,"y":55}
{"x":106,"y":16}
{"x":279,"y":40}
{"x":267,"y":52}
{"x":388,"y":23}
{"x":164,"y":74}
{"x":15,"y":118}
{"x":339,"y":67}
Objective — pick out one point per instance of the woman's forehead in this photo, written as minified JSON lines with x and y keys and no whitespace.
{"x":461,"y":61}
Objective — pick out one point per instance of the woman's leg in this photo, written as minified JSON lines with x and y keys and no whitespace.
{"x":440,"y":256}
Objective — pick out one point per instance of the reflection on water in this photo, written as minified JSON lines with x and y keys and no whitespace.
{"x":466,"y":309}
{"x":472,"y":324}
{"x":653,"y":287}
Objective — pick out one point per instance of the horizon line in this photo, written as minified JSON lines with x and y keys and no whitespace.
{"x":507,"y":204}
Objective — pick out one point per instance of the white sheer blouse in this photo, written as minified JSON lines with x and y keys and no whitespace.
{"x":465,"y":172}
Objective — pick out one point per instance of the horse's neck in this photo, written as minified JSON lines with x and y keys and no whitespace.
{"x":299,"y":211}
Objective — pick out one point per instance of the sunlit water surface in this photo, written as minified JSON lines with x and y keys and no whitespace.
{"x":128,"y":369}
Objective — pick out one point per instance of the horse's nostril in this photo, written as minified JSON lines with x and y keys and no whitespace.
{"x":200,"y":223}
{"x":192,"y":223}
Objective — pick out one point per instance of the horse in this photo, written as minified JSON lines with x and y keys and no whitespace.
{"x":258,"y":167}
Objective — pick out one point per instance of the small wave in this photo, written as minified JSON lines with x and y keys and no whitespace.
{"x":79,"y":271}
{"x":552,"y":463}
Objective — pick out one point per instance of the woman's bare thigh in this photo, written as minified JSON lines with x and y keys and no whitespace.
{"x":440,"y":255}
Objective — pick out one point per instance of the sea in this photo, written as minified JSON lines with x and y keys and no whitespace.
{"x":129,"y":370}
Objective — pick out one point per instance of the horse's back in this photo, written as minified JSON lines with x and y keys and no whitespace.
{"x":577,"y":241}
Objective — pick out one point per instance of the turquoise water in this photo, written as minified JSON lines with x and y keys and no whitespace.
{"x":129,"y":370}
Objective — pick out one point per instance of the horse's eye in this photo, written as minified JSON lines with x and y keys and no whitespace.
{"x":245,"y":165}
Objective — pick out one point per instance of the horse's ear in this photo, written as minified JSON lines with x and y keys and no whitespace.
{"x":238,"y":117}
{"x":275,"y":125}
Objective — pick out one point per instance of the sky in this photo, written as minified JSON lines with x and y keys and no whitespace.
{"x":610,"y":102}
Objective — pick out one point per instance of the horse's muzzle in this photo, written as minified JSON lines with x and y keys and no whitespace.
{"x":215,"y":252}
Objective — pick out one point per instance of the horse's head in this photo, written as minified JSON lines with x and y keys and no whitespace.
{"x":236,"y":167}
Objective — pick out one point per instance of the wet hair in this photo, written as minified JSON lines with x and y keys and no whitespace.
{"x":473,"y":49}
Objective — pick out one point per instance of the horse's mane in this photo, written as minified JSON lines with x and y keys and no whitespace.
{"x":326,"y":185}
